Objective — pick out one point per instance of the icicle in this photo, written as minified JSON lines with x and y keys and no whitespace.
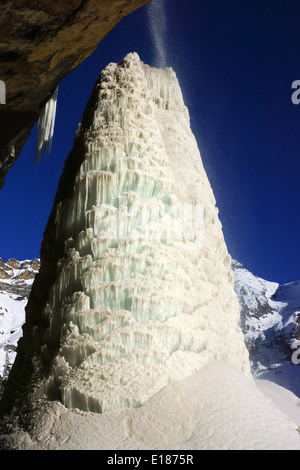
{"x":2,"y":92}
{"x":46,"y":127}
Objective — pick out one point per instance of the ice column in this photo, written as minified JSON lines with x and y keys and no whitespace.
{"x":144,"y":289}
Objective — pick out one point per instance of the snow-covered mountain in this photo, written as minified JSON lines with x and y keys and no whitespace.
{"x":270,"y":315}
{"x":16,"y":278}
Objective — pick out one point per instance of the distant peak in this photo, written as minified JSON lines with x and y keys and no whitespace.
{"x":13,"y":263}
{"x":236,"y":264}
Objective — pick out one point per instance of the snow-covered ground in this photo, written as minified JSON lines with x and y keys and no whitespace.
{"x":216,"y":408}
{"x":286,"y":401}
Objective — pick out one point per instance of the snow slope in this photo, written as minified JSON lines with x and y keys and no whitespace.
{"x":12,"y":317}
{"x":270,"y":323}
{"x":257,"y":309}
{"x":286,"y":401}
{"x":217,"y":408}
{"x":16,"y":278}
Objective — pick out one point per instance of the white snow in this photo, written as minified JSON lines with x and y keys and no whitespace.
{"x":270,"y":317}
{"x":14,"y":291}
{"x":286,"y":401}
{"x":217,"y":408}
{"x":12,"y":317}
{"x":255,"y":293}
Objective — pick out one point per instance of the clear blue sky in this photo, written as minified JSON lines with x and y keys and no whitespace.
{"x":235,"y":61}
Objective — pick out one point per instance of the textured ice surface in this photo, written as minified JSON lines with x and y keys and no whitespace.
{"x":145,"y":293}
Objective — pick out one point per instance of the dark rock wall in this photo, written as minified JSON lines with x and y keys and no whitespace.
{"x":40,"y":43}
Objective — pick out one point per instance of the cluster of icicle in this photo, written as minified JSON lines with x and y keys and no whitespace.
{"x":46,"y":127}
{"x":140,"y":300}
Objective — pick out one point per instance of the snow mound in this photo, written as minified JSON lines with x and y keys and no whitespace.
{"x":217,"y":408}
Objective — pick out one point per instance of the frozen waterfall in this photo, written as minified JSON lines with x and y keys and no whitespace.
{"x":142,"y":293}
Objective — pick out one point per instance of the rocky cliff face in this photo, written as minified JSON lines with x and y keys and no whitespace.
{"x":41,"y":42}
{"x":16,"y":277}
